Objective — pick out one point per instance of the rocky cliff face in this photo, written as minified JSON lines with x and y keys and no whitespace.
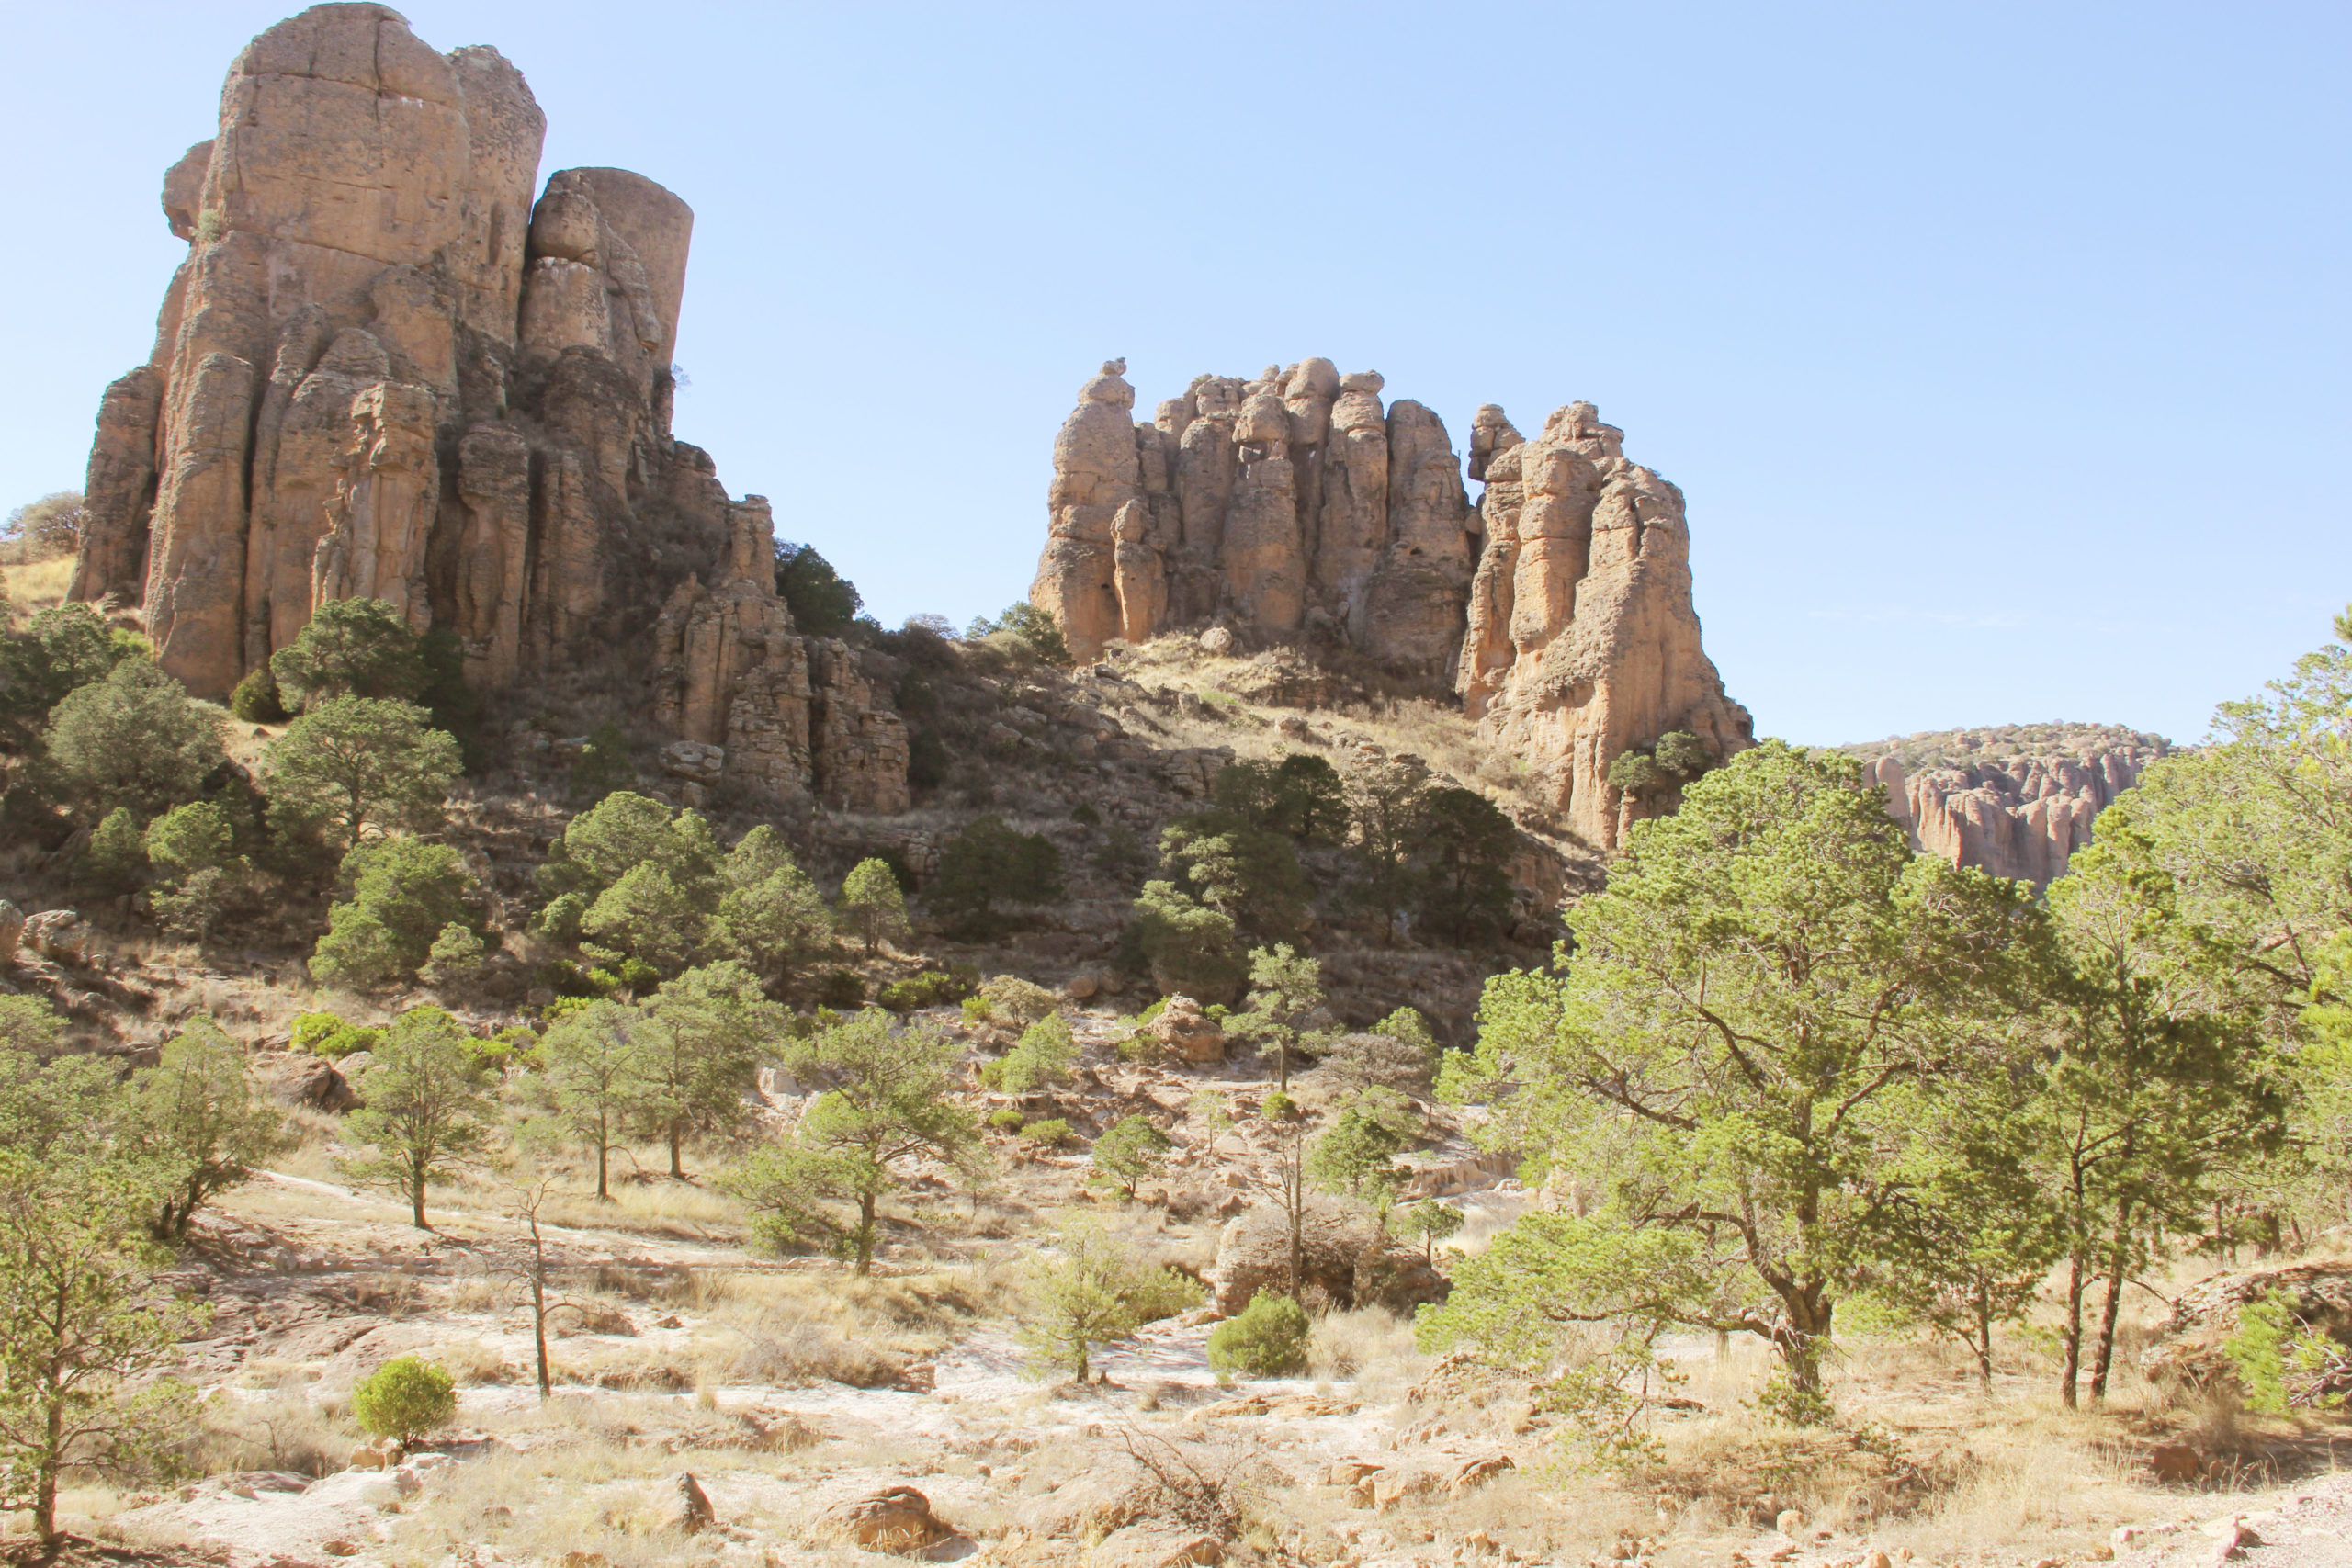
{"x":385,"y":371}
{"x":1292,"y":508}
{"x":2017,"y":801}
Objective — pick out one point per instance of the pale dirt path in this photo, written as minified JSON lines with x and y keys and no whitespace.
{"x":2308,"y":1525}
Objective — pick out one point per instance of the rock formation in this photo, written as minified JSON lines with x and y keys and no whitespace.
{"x":2020,"y":812}
{"x":1289,"y":505}
{"x":1292,"y":508}
{"x":1582,"y":644}
{"x":384,"y":371}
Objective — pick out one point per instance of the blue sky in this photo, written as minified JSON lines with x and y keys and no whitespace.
{"x":2000,"y":350}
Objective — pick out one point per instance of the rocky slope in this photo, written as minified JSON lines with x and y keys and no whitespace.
{"x":383,"y":371}
{"x":2013,"y":800}
{"x":1292,"y":509}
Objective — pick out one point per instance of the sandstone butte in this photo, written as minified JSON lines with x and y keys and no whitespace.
{"x":1293,"y":509}
{"x":383,"y":370}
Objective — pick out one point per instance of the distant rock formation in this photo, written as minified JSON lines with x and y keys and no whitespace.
{"x":1292,"y":508}
{"x":1288,"y":505}
{"x":384,"y":372}
{"x":2016,"y":801}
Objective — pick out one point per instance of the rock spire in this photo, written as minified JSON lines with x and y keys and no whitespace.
{"x":384,"y":371}
{"x":1293,"y":507}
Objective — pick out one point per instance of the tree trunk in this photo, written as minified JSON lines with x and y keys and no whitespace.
{"x":416,"y":1194}
{"x":45,"y":1487}
{"x":865,"y":1234}
{"x":677,"y":1171}
{"x":2108,"y":1308}
{"x":2073,"y":1333}
{"x":539,"y":1324}
{"x":602,"y":1196}
{"x":1983,"y":1345}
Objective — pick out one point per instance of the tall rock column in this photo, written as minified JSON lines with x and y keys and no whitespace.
{"x":1095,"y":473}
{"x":1587,"y":563}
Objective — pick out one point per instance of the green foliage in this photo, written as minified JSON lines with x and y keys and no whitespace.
{"x":821,"y":599}
{"x":603,"y":766}
{"x":405,"y":894}
{"x":428,"y":1111}
{"x":1250,"y":875}
{"x":1301,"y":796}
{"x":932,"y":987}
{"x":1051,"y":1132}
{"x":193,"y":1123}
{"x":1466,"y":847}
{"x":1787,"y":1399}
{"x":1091,"y":1290}
{"x":404,"y":1399}
{"x":1130,"y":1151}
{"x":647,"y":917}
{"x":1030,"y":628}
{"x":597,"y":1058}
{"x":1268,"y":1339}
{"x":988,"y":861}
{"x":1044,"y":1057}
{"x":352,"y":764}
{"x":351,"y":648}
{"x":328,"y":1034}
{"x":891,"y":1099}
{"x":1279,"y":1106}
{"x":57,"y":651}
{"x":1674,"y":760}
{"x":1285,"y":996}
{"x":1429,"y":1222}
{"x":134,"y":739}
{"x":1355,"y":1158}
{"x":1738,"y":1048}
{"x":456,"y":959}
{"x":189,"y":839}
{"x":873,"y":909}
{"x":711,"y":1026}
{"x":84,"y":1329}
{"x":1384,"y":803}
{"x":255,"y":698}
{"x":1007,"y":1119}
{"x":1191,"y":947}
{"x":839,"y":989}
{"x":116,"y":860}
{"x":770,"y":916}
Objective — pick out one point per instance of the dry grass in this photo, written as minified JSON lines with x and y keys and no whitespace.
{"x":37,"y":585}
{"x":1370,"y":1347}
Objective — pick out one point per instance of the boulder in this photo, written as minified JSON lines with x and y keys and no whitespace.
{"x":896,"y":1518}
{"x":63,"y":936}
{"x":1346,"y":1259}
{"x":314,"y":1082}
{"x":1094,"y":1503}
{"x":1185,"y":1033}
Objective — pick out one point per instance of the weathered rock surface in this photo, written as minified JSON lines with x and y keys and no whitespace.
{"x":385,"y":371}
{"x":2015,"y":805}
{"x":1185,"y":1033}
{"x":1289,"y":504}
{"x":1343,"y":1257}
{"x":1294,"y":508}
{"x":896,"y":1518}
{"x":1581,"y":643}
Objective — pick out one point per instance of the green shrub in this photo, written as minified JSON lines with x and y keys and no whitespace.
{"x":116,"y":857}
{"x":404,"y":1399}
{"x":1267,"y":1340}
{"x":1010,"y":1000}
{"x":839,"y":989}
{"x":1007,"y":1117}
{"x":324,"y":1035}
{"x":933,"y":988}
{"x":255,"y":700}
{"x":1043,"y":1056}
{"x":1052,"y":1133}
{"x":1279,"y":1106}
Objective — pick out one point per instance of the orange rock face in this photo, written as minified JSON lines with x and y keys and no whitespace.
{"x":384,"y":371}
{"x":2022,"y":818}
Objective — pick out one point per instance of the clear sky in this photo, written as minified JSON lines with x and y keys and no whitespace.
{"x":2001,"y":350}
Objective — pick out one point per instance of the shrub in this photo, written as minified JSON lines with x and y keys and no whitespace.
{"x":255,"y":700}
{"x":1007,"y":1119}
{"x":456,"y":958}
{"x":1043,"y":1056}
{"x":932,"y":987}
{"x":839,"y":989}
{"x":1009,"y":999}
{"x":405,"y":895}
{"x":325,"y":1035}
{"x":118,"y":853}
{"x":1268,"y":1339}
{"x":1188,"y":946}
{"x":1052,"y":1133}
{"x":404,"y":1399}
{"x":1279,"y":1106}
{"x":989,"y":861}
{"x":134,"y":738}
{"x":355,"y":648}
{"x":1128,"y":1152}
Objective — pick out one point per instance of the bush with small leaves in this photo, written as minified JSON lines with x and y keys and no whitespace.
{"x":134,"y":738}
{"x":839,"y":989}
{"x":404,"y":1399}
{"x":1044,"y":1057}
{"x":1011,"y":1000}
{"x":1267,"y":1340}
{"x":255,"y":699}
{"x":404,"y":893}
{"x":1130,"y":1150}
{"x":456,"y":959}
{"x":1429,"y":1222}
{"x":873,"y":909}
{"x":1007,"y":1119}
{"x":351,"y":648}
{"x":331,"y":1036}
{"x":1050,"y":1133}
{"x":116,"y":860}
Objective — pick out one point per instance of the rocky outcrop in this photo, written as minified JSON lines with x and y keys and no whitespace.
{"x":1289,"y":505}
{"x":1581,"y":643}
{"x":2022,"y":815}
{"x":385,"y":370}
{"x":1295,"y":509}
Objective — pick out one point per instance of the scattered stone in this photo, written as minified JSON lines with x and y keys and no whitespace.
{"x":63,"y":936}
{"x":312,"y":1081}
{"x":1186,"y":1033}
